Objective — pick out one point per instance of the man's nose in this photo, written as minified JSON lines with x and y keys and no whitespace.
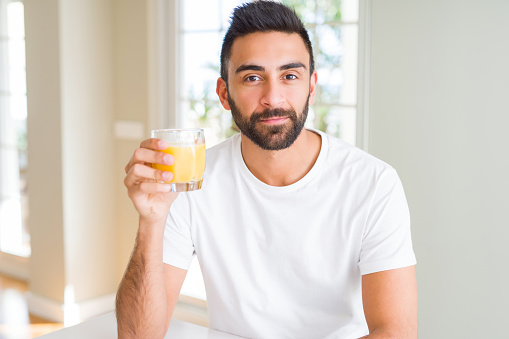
{"x":272,"y":94}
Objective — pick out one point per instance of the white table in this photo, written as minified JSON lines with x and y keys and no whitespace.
{"x":105,"y":327}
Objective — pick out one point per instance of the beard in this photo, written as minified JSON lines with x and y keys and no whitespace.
{"x":270,"y":137}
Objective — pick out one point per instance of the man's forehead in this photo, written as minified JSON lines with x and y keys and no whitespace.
{"x":268,"y":49}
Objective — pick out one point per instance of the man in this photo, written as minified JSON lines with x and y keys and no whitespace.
{"x":299,"y":235}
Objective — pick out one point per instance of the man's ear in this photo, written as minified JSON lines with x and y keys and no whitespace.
{"x":312,"y":87}
{"x":222,"y":93}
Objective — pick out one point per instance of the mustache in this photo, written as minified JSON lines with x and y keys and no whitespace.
{"x":273,"y":113}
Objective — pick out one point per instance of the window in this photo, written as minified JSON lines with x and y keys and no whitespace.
{"x":333,"y":26}
{"x":203,"y":27}
{"x":14,"y":236}
{"x":333,"y":30}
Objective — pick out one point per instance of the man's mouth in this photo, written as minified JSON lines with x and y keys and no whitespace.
{"x":273,"y":120}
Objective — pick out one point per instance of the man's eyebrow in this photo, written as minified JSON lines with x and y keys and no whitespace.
{"x":292,"y":65}
{"x":250,"y":67}
{"x":242,"y":68}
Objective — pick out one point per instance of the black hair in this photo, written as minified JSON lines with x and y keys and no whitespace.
{"x":262,"y":16}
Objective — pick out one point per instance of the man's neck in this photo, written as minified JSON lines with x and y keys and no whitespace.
{"x":284,"y":167}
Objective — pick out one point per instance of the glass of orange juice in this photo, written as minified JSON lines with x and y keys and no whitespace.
{"x":188,"y":148}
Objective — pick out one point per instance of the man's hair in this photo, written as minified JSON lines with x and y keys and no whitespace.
{"x":262,"y":16}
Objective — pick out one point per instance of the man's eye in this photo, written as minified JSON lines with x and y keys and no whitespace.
{"x":290,"y":77}
{"x":252,"y":78}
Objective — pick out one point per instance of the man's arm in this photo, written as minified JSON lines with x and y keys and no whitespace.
{"x":390,"y":303}
{"x":149,"y":289}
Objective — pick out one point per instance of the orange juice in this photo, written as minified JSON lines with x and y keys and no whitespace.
{"x":189,"y":163}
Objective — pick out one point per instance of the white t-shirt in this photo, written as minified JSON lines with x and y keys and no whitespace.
{"x":286,"y":262}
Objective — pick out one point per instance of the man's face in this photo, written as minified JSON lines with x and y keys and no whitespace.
{"x":275,"y":135}
{"x":269,"y":88}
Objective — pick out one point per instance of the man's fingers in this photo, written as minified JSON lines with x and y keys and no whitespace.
{"x":148,"y":188}
{"x":155,"y":144}
{"x":154,"y":187}
{"x":144,"y":172}
{"x":140,"y":173}
{"x":148,"y":156}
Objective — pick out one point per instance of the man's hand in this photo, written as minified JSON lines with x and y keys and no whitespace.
{"x":152,"y":199}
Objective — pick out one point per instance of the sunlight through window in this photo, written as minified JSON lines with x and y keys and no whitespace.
{"x":14,"y":236}
{"x":333,"y":29}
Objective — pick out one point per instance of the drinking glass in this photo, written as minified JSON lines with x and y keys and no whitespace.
{"x":188,"y":148}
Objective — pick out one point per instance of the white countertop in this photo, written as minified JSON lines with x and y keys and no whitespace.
{"x":105,"y":327}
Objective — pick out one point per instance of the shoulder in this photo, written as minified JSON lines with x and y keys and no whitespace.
{"x":221,"y":158}
{"x":224,"y":147}
{"x":221,"y":169}
{"x":351,"y":159}
{"x":224,"y":151}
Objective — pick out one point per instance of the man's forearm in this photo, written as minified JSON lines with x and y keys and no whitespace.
{"x":378,"y":336}
{"x":385,"y":334}
{"x":141,"y":307}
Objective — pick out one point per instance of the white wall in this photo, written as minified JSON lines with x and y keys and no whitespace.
{"x":131,"y":96}
{"x":87,"y":66}
{"x":86,"y":72}
{"x":440,"y":115}
{"x":71,"y":156}
{"x":47,"y":262}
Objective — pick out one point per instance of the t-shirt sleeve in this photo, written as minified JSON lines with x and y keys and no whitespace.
{"x":387,"y":242}
{"x":178,"y":247}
